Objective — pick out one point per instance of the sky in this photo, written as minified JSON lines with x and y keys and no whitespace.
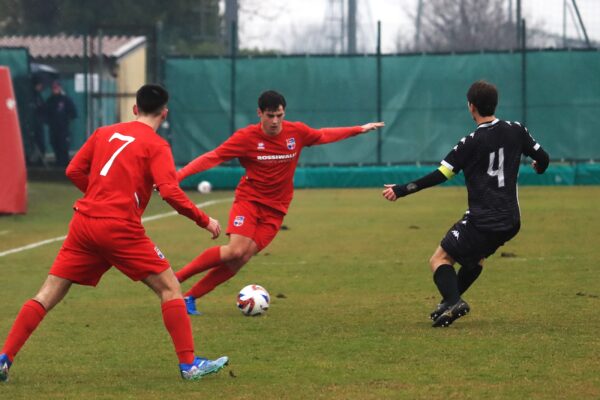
{"x":299,"y":25}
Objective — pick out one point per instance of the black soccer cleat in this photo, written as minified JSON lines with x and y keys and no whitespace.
{"x":451,"y":314}
{"x":439,"y":310}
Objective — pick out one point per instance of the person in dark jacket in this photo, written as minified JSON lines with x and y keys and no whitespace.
{"x":39,"y":118}
{"x":60,"y":110}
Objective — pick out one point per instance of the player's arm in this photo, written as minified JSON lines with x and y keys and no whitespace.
{"x":533,"y":149}
{"x":541,"y":160}
{"x":204,"y":162}
{"x":440,"y":175}
{"x":450,"y":166}
{"x":163,"y":172}
{"x":231,"y":148}
{"x":331,"y":135}
{"x":78,"y":169}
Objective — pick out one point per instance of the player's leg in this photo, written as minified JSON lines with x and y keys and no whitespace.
{"x":232,"y":254}
{"x":166,"y":286}
{"x":444,"y":275}
{"x":455,"y":246}
{"x":210,"y":258}
{"x":242,"y":221}
{"x":237,"y":253}
{"x":74,"y":263}
{"x":31,"y":314}
{"x":467,"y":274}
{"x":177,"y":323}
{"x":485,"y":244}
{"x":247,"y":237}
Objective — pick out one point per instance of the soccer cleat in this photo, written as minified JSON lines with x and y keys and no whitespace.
{"x":451,"y":314}
{"x":201,"y":367}
{"x":439,"y":310}
{"x":190,"y":305}
{"x":4,"y":366}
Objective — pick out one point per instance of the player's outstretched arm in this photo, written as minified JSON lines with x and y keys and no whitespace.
{"x":394,"y":192}
{"x":204,"y":162}
{"x":331,"y":135}
{"x":371,"y":126}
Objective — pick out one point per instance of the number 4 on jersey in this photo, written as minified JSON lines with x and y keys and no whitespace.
{"x":500,"y":171}
{"x":127,"y":140}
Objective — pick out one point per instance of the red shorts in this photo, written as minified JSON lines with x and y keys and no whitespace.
{"x":93,"y":245}
{"x":254,"y":220}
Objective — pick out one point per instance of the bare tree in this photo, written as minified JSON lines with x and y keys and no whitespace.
{"x":464,"y":25}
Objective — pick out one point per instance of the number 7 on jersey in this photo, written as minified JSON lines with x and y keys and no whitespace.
{"x":127,"y":140}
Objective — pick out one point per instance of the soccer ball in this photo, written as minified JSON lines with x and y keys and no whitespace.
{"x":253,"y":300}
{"x":204,"y":187}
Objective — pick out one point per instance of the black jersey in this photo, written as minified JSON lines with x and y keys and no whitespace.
{"x":490,"y":159}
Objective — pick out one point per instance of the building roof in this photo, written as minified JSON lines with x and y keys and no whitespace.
{"x":72,"y":46}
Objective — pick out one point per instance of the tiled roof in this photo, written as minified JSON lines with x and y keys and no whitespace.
{"x":72,"y":46}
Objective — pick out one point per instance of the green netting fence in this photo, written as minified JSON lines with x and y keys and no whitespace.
{"x":420,"y":97}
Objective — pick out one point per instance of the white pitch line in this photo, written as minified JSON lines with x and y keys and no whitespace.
{"x":151,"y":218}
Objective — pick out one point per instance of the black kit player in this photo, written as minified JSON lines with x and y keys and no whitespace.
{"x":490,"y":159}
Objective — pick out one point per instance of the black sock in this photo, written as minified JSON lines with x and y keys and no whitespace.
{"x":446,"y":282}
{"x":466,"y":276}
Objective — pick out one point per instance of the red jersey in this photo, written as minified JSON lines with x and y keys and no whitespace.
{"x":116,"y":169}
{"x":270,"y":161}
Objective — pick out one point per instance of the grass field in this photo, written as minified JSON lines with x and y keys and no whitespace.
{"x":351,"y":293}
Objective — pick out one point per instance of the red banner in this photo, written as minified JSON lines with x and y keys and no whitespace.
{"x":13,"y":174}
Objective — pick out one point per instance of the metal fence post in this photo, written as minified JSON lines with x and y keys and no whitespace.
{"x":524,"y":71}
{"x":233,"y":75}
{"x":379,"y":111}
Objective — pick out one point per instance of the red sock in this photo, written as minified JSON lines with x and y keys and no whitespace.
{"x":211,"y":280}
{"x":178,"y":324}
{"x":209,"y":258}
{"x":30,"y":316}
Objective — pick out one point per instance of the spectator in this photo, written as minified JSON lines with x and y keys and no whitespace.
{"x":39,"y":139}
{"x":60,"y":110}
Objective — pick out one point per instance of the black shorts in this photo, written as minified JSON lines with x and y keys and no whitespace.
{"x":467,"y":245}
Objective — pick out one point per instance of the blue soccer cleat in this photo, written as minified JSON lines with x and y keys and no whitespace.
{"x":4,"y":366}
{"x":201,"y":367}
{"x":190,"y":305}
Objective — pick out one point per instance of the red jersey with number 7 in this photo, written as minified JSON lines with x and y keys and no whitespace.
{"x":116,"y":169}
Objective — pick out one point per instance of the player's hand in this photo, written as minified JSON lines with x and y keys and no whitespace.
{"x":213,"y":227}
{"x":371,"y":126}
{"x":388,"y":192}
{"x":535,"y":167}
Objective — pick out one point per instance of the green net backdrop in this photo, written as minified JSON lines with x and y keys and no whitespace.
{"x":422,"y":101}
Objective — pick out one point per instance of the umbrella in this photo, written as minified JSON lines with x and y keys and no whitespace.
{"x":42,"y":73}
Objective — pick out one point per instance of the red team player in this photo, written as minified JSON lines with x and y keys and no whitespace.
{"x":116,"y":169}
{"x":269,"y":151}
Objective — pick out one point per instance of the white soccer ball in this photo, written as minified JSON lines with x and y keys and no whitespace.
{"x":253,"y":300}
{"x":204,"y":187}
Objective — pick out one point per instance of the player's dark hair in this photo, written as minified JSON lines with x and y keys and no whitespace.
{"x":151,"y":99}
{"x":484,"y":96}
{"x":271,"y":100}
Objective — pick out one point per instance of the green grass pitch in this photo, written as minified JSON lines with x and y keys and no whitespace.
{"x":351,"y":292}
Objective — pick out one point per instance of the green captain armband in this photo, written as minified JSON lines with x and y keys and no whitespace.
{"x":446,"y":171}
